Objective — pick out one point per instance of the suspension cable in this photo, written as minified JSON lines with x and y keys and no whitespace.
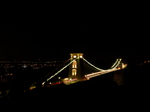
{"x":91,"y":64}
{"x":114,"y":63}
{"x":58,"y":67}
{"x":117,"y":63}
{"x":53,"y":71}
{"x":58,"y":72}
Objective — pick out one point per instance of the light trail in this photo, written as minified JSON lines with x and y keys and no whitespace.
{"x":92,"y":75}
{"x":100,"y":73}
{"x":70,"y":80}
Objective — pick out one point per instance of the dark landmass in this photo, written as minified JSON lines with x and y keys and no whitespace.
{"x":99,"y":93}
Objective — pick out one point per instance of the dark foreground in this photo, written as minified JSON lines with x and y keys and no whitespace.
{"x":97,"y":94}
{"x":93,"y":95}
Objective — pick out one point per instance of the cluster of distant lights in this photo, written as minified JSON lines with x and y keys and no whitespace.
{"x":24,"y":66}
{"x":143,"y":62}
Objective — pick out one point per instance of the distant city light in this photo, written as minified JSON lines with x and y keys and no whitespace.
{"x":24,"y":66}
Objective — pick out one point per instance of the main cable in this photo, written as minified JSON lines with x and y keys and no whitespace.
{"x":58,"y":72}
{"x":92,"y":65}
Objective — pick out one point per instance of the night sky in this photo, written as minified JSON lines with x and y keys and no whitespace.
{"x":55,"y":31}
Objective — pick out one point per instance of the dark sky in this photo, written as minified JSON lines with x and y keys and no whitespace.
{"x":55,"y":31}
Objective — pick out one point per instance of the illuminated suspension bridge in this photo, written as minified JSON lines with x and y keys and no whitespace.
{"x":77,"y":70}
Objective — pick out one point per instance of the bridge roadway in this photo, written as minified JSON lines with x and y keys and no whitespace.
{"x":116,"y":66}
{"x":87,"y":77}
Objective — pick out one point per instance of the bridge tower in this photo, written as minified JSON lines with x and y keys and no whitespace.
{"x":76,"y":69}
{"x":118,"y":76}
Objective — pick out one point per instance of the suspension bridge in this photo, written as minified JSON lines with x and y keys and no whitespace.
{"x":77,"y":72}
